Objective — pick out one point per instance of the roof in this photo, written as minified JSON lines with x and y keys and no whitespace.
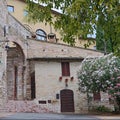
{"x":47,"y":50}
{"x":53,"y":10}
{"x":71,"y":59}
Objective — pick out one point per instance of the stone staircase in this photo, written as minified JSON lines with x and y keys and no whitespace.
{"x":23,"y":106}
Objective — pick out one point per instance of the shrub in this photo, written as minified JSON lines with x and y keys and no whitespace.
{"x":102,"y":108}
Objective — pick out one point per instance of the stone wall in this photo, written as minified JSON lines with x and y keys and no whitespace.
{"x":3,"y":92}
{"x":41,"y":49}
{"x":103,"y":102}
{"x":16,"y":28}
{"x":3,"y":13}
{"x":48,"y":85}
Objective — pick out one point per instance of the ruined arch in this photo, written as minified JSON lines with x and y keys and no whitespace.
{"x":15,"y":72}
{"x":21,"y":43}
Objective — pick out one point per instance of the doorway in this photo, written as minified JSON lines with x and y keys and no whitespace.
{"x":33,"y":85}
{"x":15,"y":82}
{"x":67,"y":100}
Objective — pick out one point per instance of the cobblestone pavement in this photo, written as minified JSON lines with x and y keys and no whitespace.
{"x":45,"y":116}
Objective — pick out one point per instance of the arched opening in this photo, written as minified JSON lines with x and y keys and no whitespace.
{"x":67,"y":100}
{"x":15,"y":75}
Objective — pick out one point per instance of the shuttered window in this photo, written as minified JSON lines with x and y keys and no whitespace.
{"x":65,"y":69}
{"x":97,"y":96}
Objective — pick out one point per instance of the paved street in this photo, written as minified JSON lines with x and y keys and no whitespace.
{"x":45,"y":116}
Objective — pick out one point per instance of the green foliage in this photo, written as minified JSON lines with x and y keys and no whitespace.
{"x":82,"y":17}
{"x":101,"y":108}
{"x":107,"y":27}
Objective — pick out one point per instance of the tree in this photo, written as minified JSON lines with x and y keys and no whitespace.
{"x":107,"y":27}
{"x":101,"y":74}
{"x":80,"y":18}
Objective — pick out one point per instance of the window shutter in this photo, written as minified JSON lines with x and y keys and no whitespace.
{"x":65,"y":69}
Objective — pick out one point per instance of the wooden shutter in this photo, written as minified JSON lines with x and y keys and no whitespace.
{"x":65,"y":69}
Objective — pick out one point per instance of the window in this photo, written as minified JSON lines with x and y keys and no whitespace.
{"x":41,"y":35}
{"x":10,"y":8}
{"x":42,"y":102}
{"x":97,"y":96}
{"x":25,"y":13}
{"x":65,"y":69}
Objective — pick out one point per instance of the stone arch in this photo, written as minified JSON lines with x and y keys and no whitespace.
{"x":15,"y":72}
{"x":20,"y":42}
{"x":21,"y":49}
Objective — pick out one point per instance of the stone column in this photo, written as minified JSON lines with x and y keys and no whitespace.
{"x":26,"y":81}
{"x":3,"y":86}
{"x":3,"y":53}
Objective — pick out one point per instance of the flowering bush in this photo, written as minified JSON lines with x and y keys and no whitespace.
{"x":100,"y":74}
{"x":114,"y":94}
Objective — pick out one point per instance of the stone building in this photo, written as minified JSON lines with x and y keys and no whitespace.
{"x":39,"y":73}
{"x":41,"y":30}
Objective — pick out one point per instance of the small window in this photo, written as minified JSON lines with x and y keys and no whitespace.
{"x":97,"y":96}
{"x":10,"y":8}
{"x":25,"y":13}
{"x":42,"y":102}
{"x":49,"y":101}
{"x":65,"y":69}
{"x":41,"y":35}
